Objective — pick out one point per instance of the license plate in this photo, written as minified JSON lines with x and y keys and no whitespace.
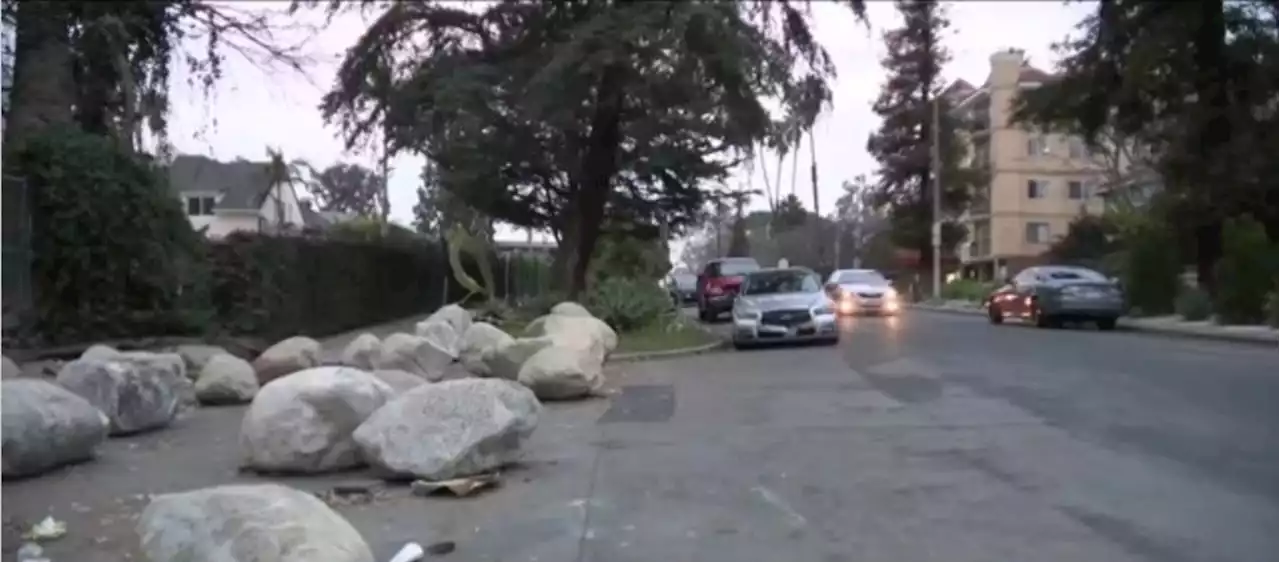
{"x":1090,"y":294}
{"x":806,"y":327}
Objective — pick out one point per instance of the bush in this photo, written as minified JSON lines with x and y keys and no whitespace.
{"x":1194,"y":304}
{"x":967,"y":290}
{"x":1273,"y":311}
{"x":629,"y":304}
{"x":1245,"y":273}
{"x":1151,"y":269}
{"x":114,"y":254}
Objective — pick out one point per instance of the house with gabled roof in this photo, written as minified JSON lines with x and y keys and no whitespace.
{"x":224,"y":197}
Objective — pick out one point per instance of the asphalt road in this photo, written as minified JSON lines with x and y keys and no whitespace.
{"x":929,"y":437}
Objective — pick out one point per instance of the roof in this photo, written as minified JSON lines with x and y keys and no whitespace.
{"x":242,"y":184}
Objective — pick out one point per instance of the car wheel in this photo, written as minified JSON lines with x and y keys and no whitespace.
{"x":741,"y":345}
{"x":831,"y":342}
{"x":702,"y":312}
{"x":994,"y":315}
{"x":1106,"y":324}
{"x":1040,"y":319}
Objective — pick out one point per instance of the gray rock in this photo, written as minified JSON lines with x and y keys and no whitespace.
{"x":303,"y":422}
{"x":570,"y":308}
{"x":413,"y":354}
{"x":457,"y":317}
{"x":226,"y":379}
{"x":243,"y":523}
{"x":174,"y":368}
{"x":577,"y":327}
{"x":449,"y":429}
{"x":45,"y":426}
{"x":100,"y":351}
{"x":135,"y":395}
{"x":478,"y":339}
{"x":362,"y":352}
{"x":196,"y":355}
{"x":560,"y":372}
{"x":441,"y":334}
{"x":11,"y":369}
{"x":505,"y":359}
{"x":287,"y":357}
{"x":400,"y":381}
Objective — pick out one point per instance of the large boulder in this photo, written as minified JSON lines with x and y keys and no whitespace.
{"x":45,"y":426}
{"x":135,"y":395}
{"x":577,"y":327}
{"x":450,"y":429}
{"x":561,"y":372}
{"x":303,"y":422}
{"x":11,"y":369}
{"x":100,"y":351}
{"x":441,"y":334}
{"x":457,"y":317}
{"x":173,"y":367}
{"x":400,"y":381}
{"x":196,"y":355}
{"x":570,"y":308}
{"x":504,"y":360}
{"x":413,"y":354}
{"x":243,"y":523}
{"x":477,"y":340}
{"x":226,"y":379}
{"x":286,"y":357}
{"x":362,"y":352}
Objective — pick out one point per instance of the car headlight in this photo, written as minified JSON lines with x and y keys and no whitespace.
{"x":891,"y":294}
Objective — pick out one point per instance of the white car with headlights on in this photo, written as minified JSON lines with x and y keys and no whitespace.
{"x":862,"y":291}
{"x":783,"y":305}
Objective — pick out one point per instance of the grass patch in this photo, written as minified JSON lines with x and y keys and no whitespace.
{"x":658,"y":337}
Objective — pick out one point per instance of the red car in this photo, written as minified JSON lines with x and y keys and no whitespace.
{"x":718,"y":284}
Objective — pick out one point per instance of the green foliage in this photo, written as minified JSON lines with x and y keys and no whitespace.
{"x":1273,"y":309}
{"x":113,"y":251}
{"x":541,"y":304}
{"x":790,"y":215}
{"x":348,"y":188}
{"x":739,"y":244}
{"x":628,"y":256}
{"x":1194,"y":304}
{"x":369,"y":229}
{"x":1245,"y":274}
{"x":1151,"y":270}
{"x":629,"y":304}
{"x":967,"y":290}
{"x":1088,"y":241}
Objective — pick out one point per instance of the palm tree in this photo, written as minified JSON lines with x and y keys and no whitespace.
{"x":282,"y":174}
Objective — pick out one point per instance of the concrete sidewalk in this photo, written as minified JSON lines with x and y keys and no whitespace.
{"x":1166,"y":325}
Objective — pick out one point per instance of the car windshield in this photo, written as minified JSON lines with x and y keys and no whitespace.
{"x":685,"y":280}
{"x":774,"y":282}
{"x":860,"y":278}
{"x":738,"y":267}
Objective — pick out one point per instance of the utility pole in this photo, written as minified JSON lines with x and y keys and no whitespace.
{"x":936,"y":230}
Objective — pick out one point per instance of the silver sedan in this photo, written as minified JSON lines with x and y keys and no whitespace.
{"x":783,"y":305}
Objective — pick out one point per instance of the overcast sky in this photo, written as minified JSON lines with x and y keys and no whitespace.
{"x":250,"y":110}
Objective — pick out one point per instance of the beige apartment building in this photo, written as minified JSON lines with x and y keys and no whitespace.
{"x":1038,"y":182}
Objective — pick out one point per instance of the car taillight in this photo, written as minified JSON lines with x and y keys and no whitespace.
{"x":714,"y":287}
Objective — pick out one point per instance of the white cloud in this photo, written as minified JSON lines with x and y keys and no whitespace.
{"x":250,"y":110}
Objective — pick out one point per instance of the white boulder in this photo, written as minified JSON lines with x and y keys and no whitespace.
{"x":362,"y":352}
{"x":504,"y":360}
{"x":286,"y":357}
{"x":561,"y":372}
{"x":413,"y":354}
{"x":135,"y":395}
{"x":441,"y":334}
{"x":45,"y":426}
{"x":303,"y":422}
{"x":479,"y":339}
{"x":578,"y":327}
{"x":196,"y":355}
{"x":173,"y":367}
{"x":100,"y":351}
{"x":11,"y":369}
{"x":400,"y":381}
{"x":570,"y":308}
{"x":226,"y":379}
{"x":456,"y":316}
{"x":242,"y":523}
{"x":450,"y":429}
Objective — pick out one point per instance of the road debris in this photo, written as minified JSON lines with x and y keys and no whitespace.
{"x":31,"y":552}
{"x":459,"y":487}
{"x":411,"y":552}
{"x":46,"y":530}
{"x":441,"y":548}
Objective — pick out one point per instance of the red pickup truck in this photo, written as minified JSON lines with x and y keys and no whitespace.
{"x":718,"y":284}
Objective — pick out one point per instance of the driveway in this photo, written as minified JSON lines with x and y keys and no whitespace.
{"x":929,"y":437}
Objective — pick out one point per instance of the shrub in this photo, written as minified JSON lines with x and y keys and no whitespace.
{"x":1245,"y":273}
{"x":1194,"y":304}
{"x":629,"y":304}
{"x":114,"y":254}
{"x":967,"y":289}
{"x":1273,"y":311}
{"x":1151,"y":269}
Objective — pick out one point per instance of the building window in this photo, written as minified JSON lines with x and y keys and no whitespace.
{"x":200,"y":206}
{"x":1037,"y":146}
{"x":1076,"y":148}
{"x":1076,"y":190}
{"x":1036,"y":189}
{"x":1037,"y":233}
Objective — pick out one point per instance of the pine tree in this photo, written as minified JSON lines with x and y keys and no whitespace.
{"x":902,"y":146}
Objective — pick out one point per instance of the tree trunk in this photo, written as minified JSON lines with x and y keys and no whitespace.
{"x":43,"y":90}
{"x":1214,"y":133}
{"x":599,"y":165}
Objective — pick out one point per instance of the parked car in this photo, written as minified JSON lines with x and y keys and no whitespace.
{"x":718,"y":283}
{"x":862,"y":291}
{"x":683,"y":287}
{"x":1048,"y":295}
{"x":783,"y":305}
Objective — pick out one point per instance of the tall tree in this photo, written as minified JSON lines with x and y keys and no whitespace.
{"x":437,"y":210}
{"x":564,"y":115}
{"x":1196,"y":82}
{"x":902,"y":145}
{"x":348,"y":188}
{"x":790,"y":215}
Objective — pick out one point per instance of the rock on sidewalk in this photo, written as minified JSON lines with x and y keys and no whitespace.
{"x":46,"y":426}
{"x":135,"y":395}
{"x":287,"y":357}
{"x":362,"y":352}
{"x":450,"y":429}
{"x":242,"y":523}
{"x":479,"y":339}
{"x":413,"y":354}
{"x":226,"y":379}
{"x":303,"y":422}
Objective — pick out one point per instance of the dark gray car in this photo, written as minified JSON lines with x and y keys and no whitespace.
{"x":1048,"y":295}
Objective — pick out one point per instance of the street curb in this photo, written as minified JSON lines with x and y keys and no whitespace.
{"x":1255,"y":339}
{"x":667,"y":353}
